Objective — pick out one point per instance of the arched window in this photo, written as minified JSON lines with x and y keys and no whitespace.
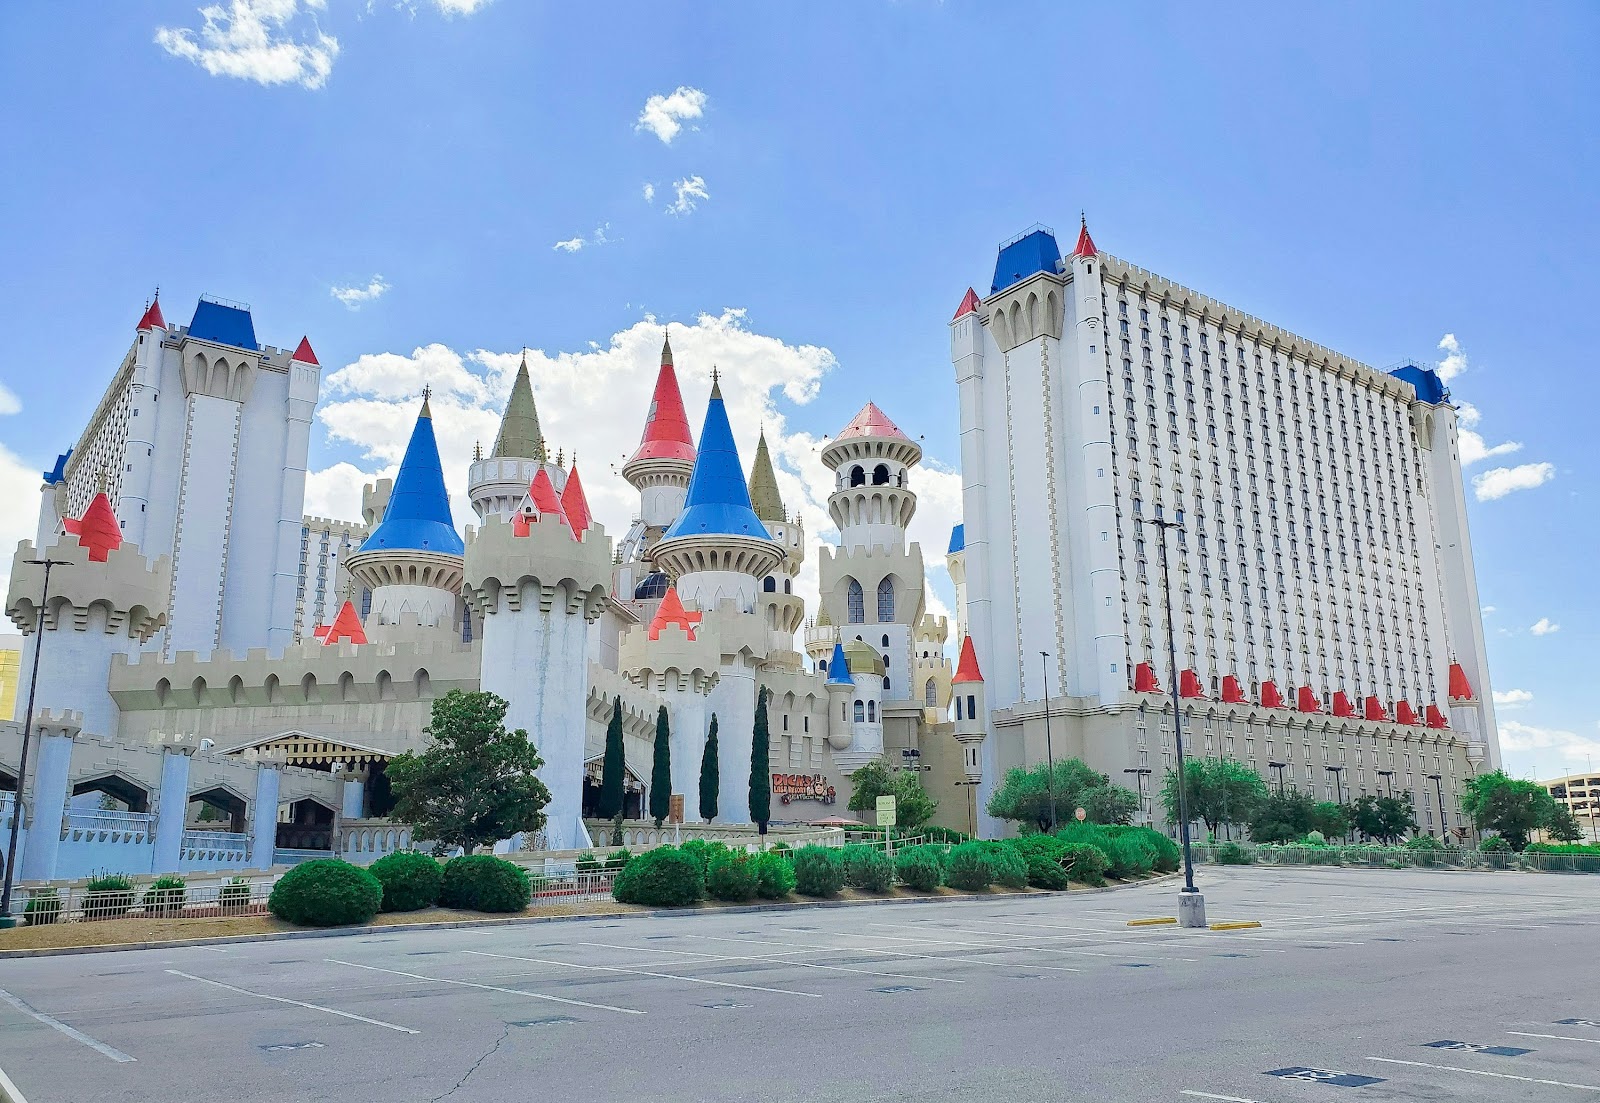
{"x":855,"y":601}
{"x":858,"y":477}
{"x":769,"y":585}
{"x":872,"y":712}
{"x":786,"y":585}
{"x":880,"y":474}
{"x":886,"y":683}
{"x":930,"y":693}
{"x":822,"y":665}
{"x":886,"y":601}
{"x":861,"y":713}
{"x":886,"y":644}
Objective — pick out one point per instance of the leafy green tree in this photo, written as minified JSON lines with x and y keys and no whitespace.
{"x":1562,"y":826}
{"x":1283,"y":817}
{"x":474,"y":782}
{"x":1219,"y":790}
{"x":1109,"y":804}
{"x":661,"y":770}
{"x":1032,"y":795}
{"x":913,"y":806}
{"x":1386,"y":819}
{"x":761,"y":766}
{"x":1508,"y":805}
{"x":613,"y":767}
{"x":1330,"y":818}
{"x":710,"y":782}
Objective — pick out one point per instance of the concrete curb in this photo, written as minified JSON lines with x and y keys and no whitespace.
{"x":455,"y":924}
{"x":8,"y":1090}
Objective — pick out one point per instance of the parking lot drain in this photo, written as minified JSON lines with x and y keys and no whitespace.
{"x":724,"y":1005}
{"x":287,"y":1047}
{"x":895,"y":989}
{"x":1473,"y":1047}
{"x":1134,"y":964}
{"x":548,"y":1020}
{"x":1325,"y":1076}
{"x":1388,"y":940}
{"x":426,"y":953}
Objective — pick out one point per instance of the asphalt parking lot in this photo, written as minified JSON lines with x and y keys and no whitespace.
{"x":1361,"y":986}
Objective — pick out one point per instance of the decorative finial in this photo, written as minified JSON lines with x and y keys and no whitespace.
{"x":666,"y":348}
{"x":103,"y":480}
{"x":561,"y":458}
{"x":427,"y":411}
{"x":716,"y":385}
{"x":477,"y":451}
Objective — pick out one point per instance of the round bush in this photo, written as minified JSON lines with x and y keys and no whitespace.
{"x":818,"y":871}
{"x":666,"y":877}
{"x":1045,"y":872}
{"x":165,"y":896}
{"x":1085,"y":863}
{"x":1425,"y":842}
{"x":968,"y":867}
{"x":1316,"y":838}
{"x":484,"y":883}
{"x":1130,"y":856}
{"x":774,"y":875}
{"x":1494,"y":844}
{"x":1167,"y":855}
{"x":326,"y":892}
{"x":1009,"y":867}
{"x":410,"y":880}
{"x":867,"y":868}
{"x":731,"y":877}
{"x":44,"y":906}
{"x":1232,"y":854}
{"x":920,"y":868}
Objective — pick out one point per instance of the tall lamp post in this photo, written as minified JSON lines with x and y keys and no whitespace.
{"x":1279,"y":766}
{"x":1438,"y":788}
{"x":1049,"y":752}
{"x":27,"y":739}
{"x":1388,"y":776}
{"x":1338,"y":787}
{"x":1191,"y":905}
{"x":1139,"y":774}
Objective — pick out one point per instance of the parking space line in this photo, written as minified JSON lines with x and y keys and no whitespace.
{"x":985,"y":945}
{"x":1143,"y":944}
{"x":9,"y":1090}
{"x":294,"y":1003}
{"x":646,"y":973}
{"x":489,"y":988}
{"x":776,"y":959}
{"x":1555,"y":1037}
{"x":1223,"y":1098}
{"x":75,"y":1034}
{"x":892,"y":953}
{"x":1158,"y":938}
{"x":1481,"y":1072}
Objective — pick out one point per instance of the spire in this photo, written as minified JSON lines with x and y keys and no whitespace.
{"x":346,"y":626}
{"x":304,"y":354}
{"x":1460,"y":687}
{"x":427,"y":410}
{"x":764,"y":496}
{"x":872,"y":422}
{"x":152,"y":318}
{"x":98,"y":528}
{"x":666,"y":350}
{"x":716,"y":383}
{"x":718,"y":500}
{"x":519,"y":429}
{"x":574,"y":503}
{"x":1085,"y":246}
{"x":666,"y":426}
{"x":671,"y":611}
{"x":967,"y":668}
{"x":969,"y":304}
{"x":839,"y":668}
{"x":418,"y":516}
{"x":542,"y":492}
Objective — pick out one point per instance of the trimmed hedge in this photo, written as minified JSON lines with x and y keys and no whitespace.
{"x":484,"y":883}
{"x":326,"y":892}
{"x":920,"y":867}
{"x":969,"y":867}
{"x":666,"y":877}
{"x":867,"y":868}
{"x":1232,"y":854}
{"x":1085,"y":863}
{"x":818,"y":871}
{"x":1046,"y":872}
{"x":774,"y":875}
{"x":1009,"y":867}
{"x":411,"y":880}
{"x":732,"y":877}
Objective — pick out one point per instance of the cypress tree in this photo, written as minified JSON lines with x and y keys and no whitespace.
{"x":612,"y":767}
{"x":661,"y":771}
{"x":760,"y":765}
{"x":710,"y":783}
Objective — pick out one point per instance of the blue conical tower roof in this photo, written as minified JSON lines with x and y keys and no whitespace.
{"x":839,"y":668}
{"x":719,"y":500}
{"x":418,"y":516}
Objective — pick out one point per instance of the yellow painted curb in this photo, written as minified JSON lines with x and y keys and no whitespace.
{"x":1236,"y":926}
{"x":1161,"y":922}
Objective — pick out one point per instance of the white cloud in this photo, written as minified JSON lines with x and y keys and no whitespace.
{"x":9,"y":402}
{"x":1544,"y":627}
{"x":1500,"y":481}
{"x":1512,"y":698}
{"x":460,"y":7}
{"x":662,"y":115}
{"x":601,"y":236}
{"x":253,"y":40}
{"x":1486,"y":610}
{"x":649,"y":193}
{"x":19,"y":489}
{"x":1455,"y":358}
{"x":690,"y":191}
{"x":1474,"y":450}
{"x":571,"y":245}
{"x":353,"y":297}
{"x":1570,"y":748}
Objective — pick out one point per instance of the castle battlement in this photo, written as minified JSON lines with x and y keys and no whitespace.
{"x":572,"y":574}
{"x":672,"y":660}
{"x":129,"y":589}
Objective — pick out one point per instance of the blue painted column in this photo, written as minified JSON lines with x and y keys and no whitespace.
{"x":264,"y":816}
{"x":172,"y":807}
{"x":48,"y":802}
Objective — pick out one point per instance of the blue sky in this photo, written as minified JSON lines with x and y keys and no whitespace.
{"x":1371,"y":176}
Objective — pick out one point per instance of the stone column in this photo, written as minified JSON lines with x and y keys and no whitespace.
{"x":264,"y":815}
{"x":49,"y":800}
{"x":172,"y":806}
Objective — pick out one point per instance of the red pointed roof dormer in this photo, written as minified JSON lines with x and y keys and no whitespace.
{"x":1270,"y":697}
{"x":1232,"y":692}
{"x":152,"y":318}
{"x":1372,"y":709}
{"x":98,"y":528}
{"x":1404,"y":713}
{"x":967,"y":668}
{"x":1144,"y":679}
{"x":1189,"y":684}
{"x":1460,"y":687}
{"x":574,"y":503}
{"x":666,"y":426}
{"x":1085,"y":246}
{"x":1342,"y":705}
{"x":1434,"y":718}
{"x":346,"y":627}
{"x":542,"y":495}
{"x":871,"y":422}
{"x":1306,"y":700}
{"x":671,"y":611}
{"x":304,"y":354}
{"x":969,"y":304}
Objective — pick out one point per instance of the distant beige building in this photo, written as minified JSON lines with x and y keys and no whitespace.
{"x":10,"y":671}
{"x":1581,"y":794}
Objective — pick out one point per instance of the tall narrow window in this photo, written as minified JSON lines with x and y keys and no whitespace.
{"x":886,"y":601}
{"x":861,"y":712}
{"x":855,"y":603}
{"x":930,"y":693}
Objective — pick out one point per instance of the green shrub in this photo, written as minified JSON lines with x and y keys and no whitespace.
{"x":920,"y":868}
{"x":1009,"y":867}
{"x":165,"y":896}
{"x":666,"y":877}
{"x":619,"y":859}
{"x":1085,"y":863}
{"x":1575,"y":849}
{"x":1495,"y":844}
{"x":818,"y":871}
{"x":867,"y":868}
{"x":703,"y":851}
{"x":588,"y":863}
{"x":1046,"y":872}
{"x":780,"y":848}
{"x":969,"y":867}
{"x":1423,"y":842}
{"x":326,"y":892}
{"x":1232,"y":854}
{"x":1315,"y":838}
{"x":1131,"y":856}
{"x":484,"y":883}
{"x":44,"y":906}
{"x":234,"y":895}
{"x":107,"y":896}
{"x":731,"y":877}
{"x":410,"y":880}
{"x":774,"y":875}
{"x":1168,"y":855}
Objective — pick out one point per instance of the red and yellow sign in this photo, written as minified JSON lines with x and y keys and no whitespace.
{"x":792,"y":787}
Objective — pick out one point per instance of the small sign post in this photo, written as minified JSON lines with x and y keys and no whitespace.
{"x":886,"y":821}
{"x":1080,"y":815}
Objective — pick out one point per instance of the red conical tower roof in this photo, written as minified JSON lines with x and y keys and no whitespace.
{"x":346,"y":626}
{"x":543,"y":493}
{"x":304,"y":354}
{"x":967,"y":668}
{"x":969,"y":303}
{"x":97,"y":530}
{"x":1085,"y":246}
{"x":671,"y":611}
{"x":1459,"y":685}
{"x":152,"y":318}
{"x":666,"y":426}
{"x":574,"y":503}
{"x":871,"y":422}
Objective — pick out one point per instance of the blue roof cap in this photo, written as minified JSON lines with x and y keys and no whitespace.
{"x":839,"y":668}
{"x":418,"y":515}
{"x":58,"y":473}
{"x":1430,"y":388}
{"x":1033,"y":252}
{"x":719,"y":499}
{"x":958,"y":539}
{"x":224,"y":324}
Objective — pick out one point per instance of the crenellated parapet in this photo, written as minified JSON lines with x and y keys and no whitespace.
{"x":869,"y":567}
{"x":734,"y":631}
{"x":548,"y":566}
{"x":127,"y":589}
{"x":639,"y":703}
{"x":674,"y":660}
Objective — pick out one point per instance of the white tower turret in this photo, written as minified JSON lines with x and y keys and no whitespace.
{"x":866,"y":706}
{"x":972,"y":711}
{"x":670,"y":657}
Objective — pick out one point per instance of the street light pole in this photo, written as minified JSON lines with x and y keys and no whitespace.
{"x":1139,"y":774}
{"x":1191,"y":905}
{"x":27,"y":736}
{"x":1338,"y":786}
{"x":1279,"y":766}
{"x":1049,"y":751}
{"x":1438,"y":788}
{"x":1389,"y":776}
